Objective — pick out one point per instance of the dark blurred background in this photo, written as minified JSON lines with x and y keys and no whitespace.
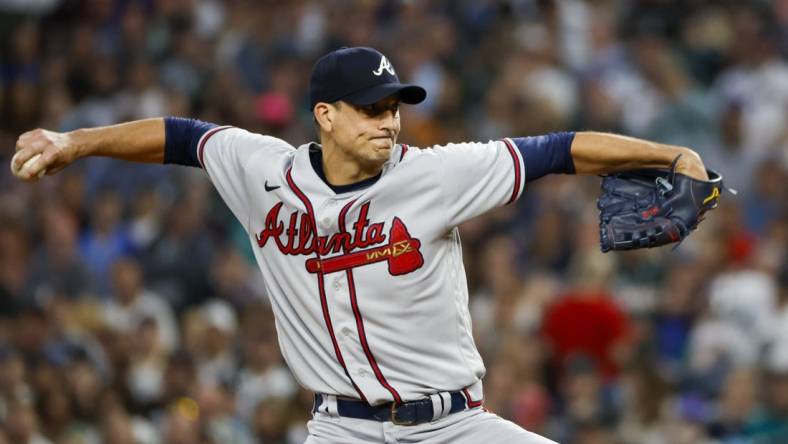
{"x":131,"y":310}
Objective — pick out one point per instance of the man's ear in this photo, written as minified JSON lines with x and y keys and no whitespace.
{"x":324,"y":116}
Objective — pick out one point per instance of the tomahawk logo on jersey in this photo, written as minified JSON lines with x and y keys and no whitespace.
{"x":367,"y":281}
{"x":402,"y":251}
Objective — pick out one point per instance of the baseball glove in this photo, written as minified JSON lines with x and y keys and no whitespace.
{"x":652,"y":207}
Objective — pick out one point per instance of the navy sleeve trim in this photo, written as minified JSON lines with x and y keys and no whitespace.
{"x":182,"y":137}
{"x":547,"y":154}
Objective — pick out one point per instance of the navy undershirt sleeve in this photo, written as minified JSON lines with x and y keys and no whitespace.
{"x":181,"y":139}
{"x":550,"y":153}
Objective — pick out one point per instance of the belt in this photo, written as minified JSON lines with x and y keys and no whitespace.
{"x":407,"y":413}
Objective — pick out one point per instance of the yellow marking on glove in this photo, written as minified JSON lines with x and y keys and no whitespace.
{"x":715,"y":193}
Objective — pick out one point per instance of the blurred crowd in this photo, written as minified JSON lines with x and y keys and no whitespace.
{"x":130,"y":307}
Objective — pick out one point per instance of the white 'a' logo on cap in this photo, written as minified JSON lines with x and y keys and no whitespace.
{"x":384,"y":65}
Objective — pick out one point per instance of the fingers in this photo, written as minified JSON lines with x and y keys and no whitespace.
{"x":32,"y":156}
{"x":32,"y":169}
{"x":19,"y":160}
{"x":28,"y":145}
{"x":37,"y":165}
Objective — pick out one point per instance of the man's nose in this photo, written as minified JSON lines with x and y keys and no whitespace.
{"x":389,"y":120}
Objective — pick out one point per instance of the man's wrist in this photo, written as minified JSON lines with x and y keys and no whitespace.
{"x":81,"y":144}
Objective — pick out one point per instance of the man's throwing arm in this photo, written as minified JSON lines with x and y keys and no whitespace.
{"x":156,"y":140}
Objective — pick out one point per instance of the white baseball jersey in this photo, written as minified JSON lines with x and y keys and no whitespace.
{"x":368,"y":287}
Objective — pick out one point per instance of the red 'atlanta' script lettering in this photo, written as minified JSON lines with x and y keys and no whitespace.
{"x":300,"y":237}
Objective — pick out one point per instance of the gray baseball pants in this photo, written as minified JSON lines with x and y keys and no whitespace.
{"x":472,"y":426}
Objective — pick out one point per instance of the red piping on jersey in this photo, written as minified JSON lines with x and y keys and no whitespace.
{"x":205,"y":138}
{"x":360,"y":322}
{"x":516,"y":189}
{"x":321,"y":285}
{"x":471,"y":402}
{"x":404,"y":150}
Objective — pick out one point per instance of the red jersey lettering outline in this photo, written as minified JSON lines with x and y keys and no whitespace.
{"x":402,"y":252}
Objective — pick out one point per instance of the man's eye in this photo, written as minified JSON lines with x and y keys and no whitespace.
{"x":370,"y":110}
{"x":376,"y":110}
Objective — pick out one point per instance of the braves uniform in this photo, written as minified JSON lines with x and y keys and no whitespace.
{"x":366,"y":281}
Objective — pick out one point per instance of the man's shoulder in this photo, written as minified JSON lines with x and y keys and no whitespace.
{"x":405,"y":153}
{"x":240,"y":136}
{"x":243,"y":145}
{"x":406,"y":150}
{"x":440,"y":152}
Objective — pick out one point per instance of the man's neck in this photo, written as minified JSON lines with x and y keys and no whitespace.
{"x":341,"y":170}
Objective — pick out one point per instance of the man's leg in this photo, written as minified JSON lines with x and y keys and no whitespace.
{"x":469,"y":427}
{"x":326,"y":429}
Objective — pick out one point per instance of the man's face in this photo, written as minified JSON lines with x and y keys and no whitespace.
{"x":366,"y":133}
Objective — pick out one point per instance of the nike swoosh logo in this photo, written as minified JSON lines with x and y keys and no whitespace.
{"x":267,"y":188}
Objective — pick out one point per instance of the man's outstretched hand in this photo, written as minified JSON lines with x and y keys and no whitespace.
{"x":40,"y":152}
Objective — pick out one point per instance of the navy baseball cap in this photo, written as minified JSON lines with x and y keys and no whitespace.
{"x":360,"y":76}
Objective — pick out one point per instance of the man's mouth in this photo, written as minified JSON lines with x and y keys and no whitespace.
{"x":387,"y":139}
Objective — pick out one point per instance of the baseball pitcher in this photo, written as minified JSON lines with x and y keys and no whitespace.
{"x":356,"y":238}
